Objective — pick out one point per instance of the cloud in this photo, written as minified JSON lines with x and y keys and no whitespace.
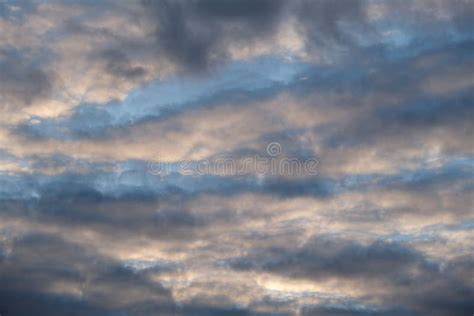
{"x":326,"y":23}
{"x":354,"y":309}
{"x":118,"y":64}
{"x":93,"y":94}
{"x":95,"y":212}
{"x":44,"y":271}
{"x":403,"y":275}
{"x":163,"y":99}
{"x":194,"y":34}
{"x":22,"y":80}
{"x":325,"y":258}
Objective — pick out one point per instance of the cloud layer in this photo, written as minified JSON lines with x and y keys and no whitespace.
{"x":103,"y":101}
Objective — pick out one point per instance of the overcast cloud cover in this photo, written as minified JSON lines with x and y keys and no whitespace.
{"x":101,"y":102}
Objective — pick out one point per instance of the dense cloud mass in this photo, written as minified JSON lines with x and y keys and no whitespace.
{"x":236,"y":157}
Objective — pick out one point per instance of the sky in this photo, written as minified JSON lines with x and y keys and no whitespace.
{"x":236,"y":157}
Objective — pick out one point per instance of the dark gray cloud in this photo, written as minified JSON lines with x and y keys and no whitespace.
{"x":414,"y":282}
{"x":118,"y":64}
{"x":25,"y":303}
{"x":194,"y":34}
{"x":456,"y":13}
{"x":36,"y":262}
{"x":22,"y":80}
{"x":426,"y":180}
{"x":324,"y":257}
{"x":323,"y":22}
{"x":354,"y":309}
